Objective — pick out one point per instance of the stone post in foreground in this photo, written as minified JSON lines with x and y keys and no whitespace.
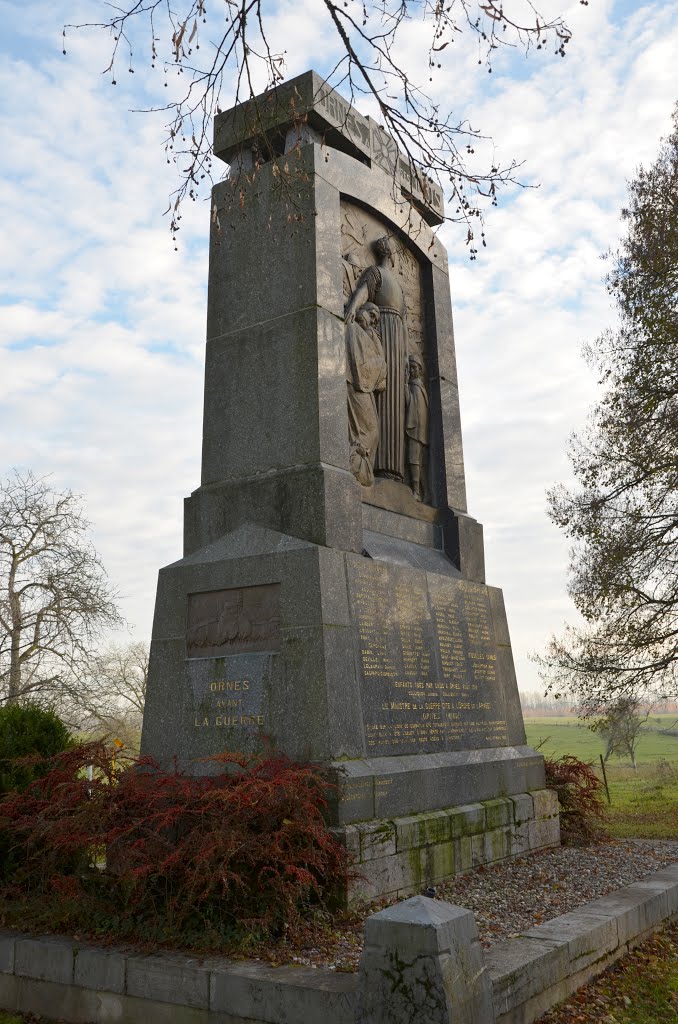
{"x":423,"y":964}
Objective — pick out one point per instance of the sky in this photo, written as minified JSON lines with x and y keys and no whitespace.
{"x":103,"y":322}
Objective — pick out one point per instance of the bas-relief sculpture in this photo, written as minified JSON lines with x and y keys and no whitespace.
{"x":365,"y":376}
{"x":416,"y":426}
{"x":234,"y":621}
{"x":388,"y":416}
{"x":379,"y":284}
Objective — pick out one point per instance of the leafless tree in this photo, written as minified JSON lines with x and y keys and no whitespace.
{"x":112,"y":695}
{"x":55,"y":599}
{"x":245,"y":50}
{"x":620,"y":726}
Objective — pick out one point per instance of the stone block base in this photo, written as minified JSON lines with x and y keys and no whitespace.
{"x":405,"y":855}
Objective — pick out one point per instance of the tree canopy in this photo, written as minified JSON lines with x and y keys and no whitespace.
{"x":235,"y":52}
{"x":621,"y":727}
{"x":623,"y":514}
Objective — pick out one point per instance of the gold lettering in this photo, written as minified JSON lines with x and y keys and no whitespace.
{"x":229,"y":685}
{"x":251,"y":720}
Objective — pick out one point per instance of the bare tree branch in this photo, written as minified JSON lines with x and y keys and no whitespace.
{"x":245,"y":57}
{"x":112,"y":693}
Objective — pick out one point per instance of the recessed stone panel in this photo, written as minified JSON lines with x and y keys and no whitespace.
{"x":234,"y":621}
{"x":427,"y":661}
{"x":230,"y":700}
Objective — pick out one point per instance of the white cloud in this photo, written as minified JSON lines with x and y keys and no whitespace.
{"x":524,"y":309}
{"x":102,"y":333}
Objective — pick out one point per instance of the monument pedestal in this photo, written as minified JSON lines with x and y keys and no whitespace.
{"x":344,"y":624}
{"x":399,"y":679}
{"x":404,"y":855}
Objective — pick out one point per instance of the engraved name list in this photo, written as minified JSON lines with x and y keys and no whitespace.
{"x":427,"y":662}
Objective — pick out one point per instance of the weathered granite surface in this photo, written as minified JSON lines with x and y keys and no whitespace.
{"x":422,"y":962}
{"x":344,"y":624}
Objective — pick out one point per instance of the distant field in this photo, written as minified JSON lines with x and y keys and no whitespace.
{"x":558,"y":736}
{"x":645,"y":801}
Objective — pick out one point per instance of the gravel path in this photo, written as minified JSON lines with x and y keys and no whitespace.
{"x":516,"y":895}
{"x":513,"y":896}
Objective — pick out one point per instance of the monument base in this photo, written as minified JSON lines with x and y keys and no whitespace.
{"x":406,"y":855}
{"x":376,"y":788}
{"x":333,"y":657}
{"x":396,"y":675}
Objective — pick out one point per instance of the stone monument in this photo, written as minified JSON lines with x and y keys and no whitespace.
{"x":331,"y":599}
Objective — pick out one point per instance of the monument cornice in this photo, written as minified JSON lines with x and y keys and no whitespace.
{"x":263,"y":123}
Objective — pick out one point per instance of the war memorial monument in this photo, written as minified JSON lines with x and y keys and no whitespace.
{"x":331,"y":599}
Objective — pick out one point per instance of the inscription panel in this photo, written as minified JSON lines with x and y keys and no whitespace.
{"x":234,"y":621}
{"x":427,"y":662}
{"x":230,"y":698}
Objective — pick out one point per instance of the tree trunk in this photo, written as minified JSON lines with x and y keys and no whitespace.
{"x":14,"y":688}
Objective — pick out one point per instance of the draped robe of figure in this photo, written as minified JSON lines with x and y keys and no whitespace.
{"x":365,"y":375}
{"x":383,"y":288}
{"x":416,"y":423}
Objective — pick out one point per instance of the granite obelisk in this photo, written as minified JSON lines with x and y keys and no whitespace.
{"x":331,"y":598}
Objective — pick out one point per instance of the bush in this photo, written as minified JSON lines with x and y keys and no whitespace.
{"x":28,"y":734}
{"x":207,"y":863}
{"x":26,"y":730}
{"x":580,"y":795}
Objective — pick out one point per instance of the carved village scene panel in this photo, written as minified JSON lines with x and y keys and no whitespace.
{"x":234,"y":621}
{"x":386,"y":359}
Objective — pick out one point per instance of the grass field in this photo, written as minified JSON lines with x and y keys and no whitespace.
{"x":558,"y":736}
{"x":644,"y":802}
{"x":641,"y":988}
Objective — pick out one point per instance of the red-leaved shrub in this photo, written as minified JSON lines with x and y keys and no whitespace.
{"x":159,"y":855}
{"x":580,"y":795}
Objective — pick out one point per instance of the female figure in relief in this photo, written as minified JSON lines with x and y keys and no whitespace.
{"x":365,"y":376}
{"x":380,"y":285}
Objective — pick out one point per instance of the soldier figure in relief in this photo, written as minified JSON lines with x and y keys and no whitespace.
{"x":380,"y":284}
{"x":416,"y":425}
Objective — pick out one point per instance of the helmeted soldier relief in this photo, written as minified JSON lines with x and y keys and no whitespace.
{"x":416,"y":426}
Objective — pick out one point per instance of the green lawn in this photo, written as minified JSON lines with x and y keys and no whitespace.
{"x":644,"y":802}
{"x":558,"y":736}
{"x":641,"y":988}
